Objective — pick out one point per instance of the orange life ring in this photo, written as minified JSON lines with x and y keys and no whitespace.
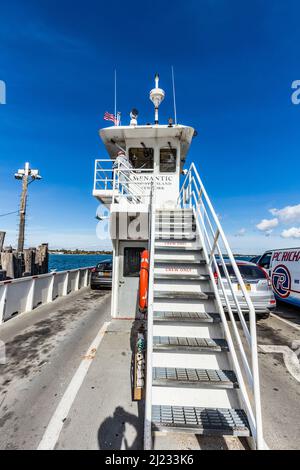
{"x":144,"y":276}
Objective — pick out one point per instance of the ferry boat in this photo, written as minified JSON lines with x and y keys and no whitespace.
{"x":201,"y":370}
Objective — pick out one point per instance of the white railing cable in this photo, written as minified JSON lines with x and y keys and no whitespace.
{"x":148,"y":398}
{"x":193,"y":194}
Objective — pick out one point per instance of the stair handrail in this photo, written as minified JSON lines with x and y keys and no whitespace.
{"x":193,"y":194}
{"x":149,"y":348}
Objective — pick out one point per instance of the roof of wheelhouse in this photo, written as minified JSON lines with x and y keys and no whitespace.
{"x":120,"y":134}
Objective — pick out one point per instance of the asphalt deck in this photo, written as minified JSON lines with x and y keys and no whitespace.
{"x":45,"y":348}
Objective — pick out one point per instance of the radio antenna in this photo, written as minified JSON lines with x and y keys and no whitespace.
{"x":115,"y":94}
{"x":174,"y":96}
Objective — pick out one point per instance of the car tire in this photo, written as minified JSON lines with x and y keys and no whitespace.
{"x":263,"y":316}
{"x":93,"y":287}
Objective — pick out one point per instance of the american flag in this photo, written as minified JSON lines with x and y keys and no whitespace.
{"x":111,"y":117}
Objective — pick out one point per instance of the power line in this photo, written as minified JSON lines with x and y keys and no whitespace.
{"x":9,"y":213}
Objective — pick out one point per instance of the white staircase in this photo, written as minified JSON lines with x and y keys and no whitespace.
{"x":196,"y":364}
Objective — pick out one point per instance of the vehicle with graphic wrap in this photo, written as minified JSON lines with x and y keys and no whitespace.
{"x":283,"y":268}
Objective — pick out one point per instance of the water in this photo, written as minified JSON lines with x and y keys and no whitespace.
{"x":64,"y":262}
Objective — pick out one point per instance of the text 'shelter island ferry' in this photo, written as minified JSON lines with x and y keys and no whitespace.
{"x":201,"y":370}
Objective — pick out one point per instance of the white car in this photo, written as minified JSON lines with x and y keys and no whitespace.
{"x":257,"y":283}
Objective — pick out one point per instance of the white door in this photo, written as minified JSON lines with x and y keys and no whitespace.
{"x":129,"y":272}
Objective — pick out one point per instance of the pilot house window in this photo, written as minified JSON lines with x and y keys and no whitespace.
{"x":167,"y":160}
{"x":141,"y":158}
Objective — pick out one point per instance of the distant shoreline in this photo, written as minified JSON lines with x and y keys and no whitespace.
{"x":91,"y":253}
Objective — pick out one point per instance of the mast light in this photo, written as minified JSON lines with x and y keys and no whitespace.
{"x":156,"y":96}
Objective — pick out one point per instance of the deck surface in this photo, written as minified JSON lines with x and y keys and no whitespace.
{"x":46,"y":347}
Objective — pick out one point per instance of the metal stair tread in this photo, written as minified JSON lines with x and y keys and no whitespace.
{"x":175,"y":235}
{"x":184,"y":251}
{"x":209,"y":421}
{"x":157,"y":259}
{"x":177,"y":343}
{"x":177,"y":210}
{"x":176,"y":247}
{"x":186,"y":317}
{"x":176,"y":377}
{"x":171,"y":236}
{"x":183,"y":276}
{"x":161,"y":294}
{"x":171,"y":221}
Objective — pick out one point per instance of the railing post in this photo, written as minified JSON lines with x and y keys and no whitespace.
{"x":3,"y":303}
{"x":256,"y":383}
{"x":148,"y":401}
{"x":114,"y":185}
{"x":30,"y":296}
{"x":86,"y":278}
{"x":95,"y":175}
{"x":190,"y":189}
{"x":66,"y":282}
{"x":50,"y":289}
{"x":214,"y":246}
{"x":77,"y":280}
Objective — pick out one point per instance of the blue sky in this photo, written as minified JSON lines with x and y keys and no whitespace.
{"x":234,"y":63}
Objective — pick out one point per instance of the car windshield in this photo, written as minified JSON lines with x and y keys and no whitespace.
{"x":247,"y":271}
{"x":105,"y":265}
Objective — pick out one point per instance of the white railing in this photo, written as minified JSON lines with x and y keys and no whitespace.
{"x":215,"y":246}
{"x":103,"y":175}
{"x":148,"y":401}
{"x":24,"y":294}
{"x":122,"y":182}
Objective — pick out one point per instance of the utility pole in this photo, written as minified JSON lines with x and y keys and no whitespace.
{"x":27,"y":175}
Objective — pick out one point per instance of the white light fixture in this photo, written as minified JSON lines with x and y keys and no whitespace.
{"x":157,"y":95}
{"x":27,"y":171}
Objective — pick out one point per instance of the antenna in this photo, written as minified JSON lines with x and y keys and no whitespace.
{"x":115,"y":93}
{"x":174,"y":96}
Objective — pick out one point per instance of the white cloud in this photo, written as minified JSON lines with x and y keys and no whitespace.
{"x":293,"y":232}
{"x":241,"y":232}
{"x":287,"y":214}
{"x":267,"y":224}
{"x":253,"y":243}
